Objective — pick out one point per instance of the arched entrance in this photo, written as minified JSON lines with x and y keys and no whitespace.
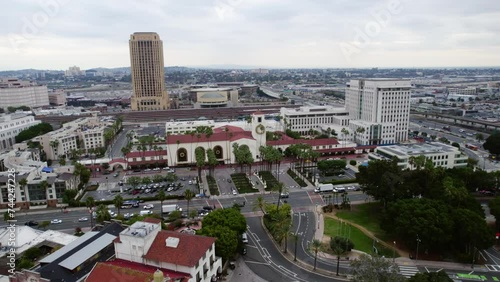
{"x":182,"y":155}
{"x":219,"y":154}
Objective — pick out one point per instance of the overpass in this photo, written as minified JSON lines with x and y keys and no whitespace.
{"x":270,"y":93}
{"x":480,"y":125}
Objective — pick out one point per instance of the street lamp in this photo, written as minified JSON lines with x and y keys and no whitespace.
{"x":418,"y":242}
{"x":394,"y":253}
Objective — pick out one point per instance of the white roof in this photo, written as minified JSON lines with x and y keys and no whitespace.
{"x":79,"y":240}
{"x":87,"y":252}
{"x":27,"y":237}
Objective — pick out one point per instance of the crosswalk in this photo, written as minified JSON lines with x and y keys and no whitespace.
{"x":493,"y":267}
{"x":408,"y":271}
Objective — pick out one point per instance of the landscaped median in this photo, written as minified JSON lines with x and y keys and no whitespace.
{"x":242,"y":183}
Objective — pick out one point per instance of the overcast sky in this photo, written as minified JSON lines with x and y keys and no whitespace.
{"x":264,"y":33}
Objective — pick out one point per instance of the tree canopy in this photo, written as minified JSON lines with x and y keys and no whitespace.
{"x":33,"y":131}
{"x":492,"y":143}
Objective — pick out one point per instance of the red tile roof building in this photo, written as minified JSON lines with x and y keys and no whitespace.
{"x":143,"y":247}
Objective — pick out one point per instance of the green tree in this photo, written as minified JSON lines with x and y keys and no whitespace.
{"x":32,"y":253}
{"x":375,"y":268}
{"x":44,"y":224}
{"x":33,"y":131}
{"x":188,"y":195}
{"x":134,"y":181}
{"x":340,"y":246}
{"x":146,"y":180}
{"x":200,"y":160}
{"x":479,"y":137}
{"x":161,"y":197}
{"x":118,"y":202}
{"x":157,"y":178}
{"x":226,"y":225}
{"x":492,"y":143}
{"x":315,"y":247}
{"x":494,"y":206}
{"x":102,"y":214}
{"x":259,"y":204}
{"x":212,"y":162}
{"x":90,"y":204}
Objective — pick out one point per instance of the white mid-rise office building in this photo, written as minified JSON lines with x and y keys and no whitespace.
{"x":305,"y":118}
{"x":15,"y":93}
{"x":11,"y":126}
{"x":379,"y":110}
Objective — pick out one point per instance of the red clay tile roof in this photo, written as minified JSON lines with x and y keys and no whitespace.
{"x":152,"y":220}
{"x":230,"y":128}
{"x":124,"y":271}
{"x":221,"y":136}
{"x":312,"y":142}
{"x":189,"y":251}
{"x":139,"y":154}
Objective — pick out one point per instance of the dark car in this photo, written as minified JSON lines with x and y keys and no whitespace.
{"x":285,"y":195}
{"x":229,"y":180}
{"x":244,"y":251}
{"x":208,"y":208}
{"x":31,"y":223}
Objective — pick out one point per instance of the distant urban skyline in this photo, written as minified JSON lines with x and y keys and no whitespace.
{"x":56,"y":34}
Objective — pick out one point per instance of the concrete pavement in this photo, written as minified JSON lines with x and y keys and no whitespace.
{"x":242,"y":273}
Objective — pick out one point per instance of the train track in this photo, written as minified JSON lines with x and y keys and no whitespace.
{"x":177,"y":114}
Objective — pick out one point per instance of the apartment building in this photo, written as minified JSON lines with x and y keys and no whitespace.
{"x":143,"y":250}
{"x":379,"y":110}
{"x":83,"y":133}
{"x":305,"y":118}
{"x":11,"y":125}
{"x":442,"y":155}
{"x":15,"y":93}
{"x":148,"y":74}
{"x":44,"y":186}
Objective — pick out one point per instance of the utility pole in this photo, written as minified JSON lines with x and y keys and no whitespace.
{"x":418,"y":242}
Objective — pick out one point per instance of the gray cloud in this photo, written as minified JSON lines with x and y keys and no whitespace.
{"x":271,"y":33}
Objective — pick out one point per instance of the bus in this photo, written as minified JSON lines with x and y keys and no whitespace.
{"x":470,"y":146}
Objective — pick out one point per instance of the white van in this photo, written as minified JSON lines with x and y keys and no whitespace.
{"x":244,"y":238}
{"x":145,"y":212}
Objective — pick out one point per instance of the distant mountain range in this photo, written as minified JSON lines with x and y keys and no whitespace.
{"x":127,"y":69}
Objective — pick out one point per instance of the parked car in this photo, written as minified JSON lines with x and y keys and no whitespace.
{"x":31,"y":223}
{"x":116,"y":174}
{"x":244,"y":238}
{"x":244,"y":251}
{"x":56,"y":221}
{"x":229,"y":180}
{"x":128,"y":215}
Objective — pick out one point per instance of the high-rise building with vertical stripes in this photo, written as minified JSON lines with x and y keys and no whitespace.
{"x":379,"y":110}
{"x":148,"y":74}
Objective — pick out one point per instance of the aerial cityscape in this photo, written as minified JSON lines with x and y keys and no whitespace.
{"x":250,"y":141}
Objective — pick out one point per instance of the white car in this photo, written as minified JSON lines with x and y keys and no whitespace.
{"x":234,"y":192}
{"x":56,"y":221}
{"x":156,"y":168}
{"x":128,"y":215}
{"x":83,"y":219}
{"x":149,"y":206}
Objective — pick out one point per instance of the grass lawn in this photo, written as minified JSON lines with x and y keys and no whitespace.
{"x":366,"y":215}
{"x":361,"y":241}
{"x":269,"y":178}
{"x":212,"y":185}
{"x":242,"y":184}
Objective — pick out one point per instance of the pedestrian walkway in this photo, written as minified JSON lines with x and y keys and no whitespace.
{"x":493,"y":267}
{"x":242,"y":273}
{"x":408,"y":271}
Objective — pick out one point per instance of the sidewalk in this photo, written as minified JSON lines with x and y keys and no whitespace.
{"x":242,"y":273}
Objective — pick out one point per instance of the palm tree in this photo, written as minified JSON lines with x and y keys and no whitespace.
{"x":359,"y":130}
{"x":315,"y":246}
{"x":118,"y":201}
{"x":90,"y":203}
{"x":161,"y":197}
{"x":102,"y":213}
{"x":44,"y":185}
{"x":188,"y":195}
{"x":259,"y":204}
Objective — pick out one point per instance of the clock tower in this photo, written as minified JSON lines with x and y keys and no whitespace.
{"x":259,"y":128}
